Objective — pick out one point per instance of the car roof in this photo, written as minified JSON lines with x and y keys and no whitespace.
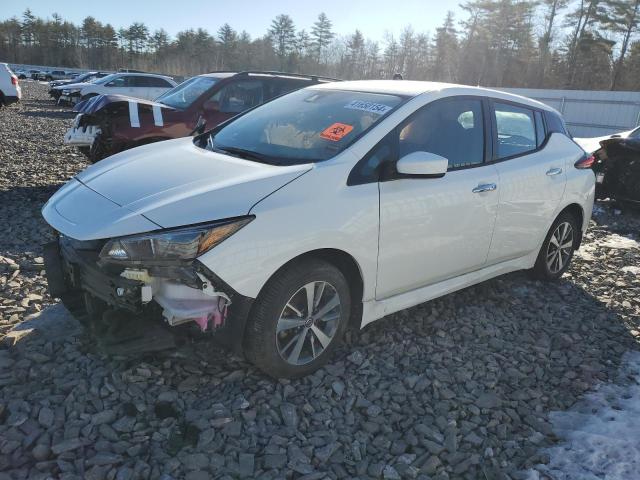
{"x":143,"y":75}
{"x":411,"y":88}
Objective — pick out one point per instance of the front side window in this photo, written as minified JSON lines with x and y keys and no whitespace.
{"x":516,"y":130}
{"x":305,"y":126}
{"x":451,"y":128}
{"x":187,"y":92}
{"x":236,"y":97}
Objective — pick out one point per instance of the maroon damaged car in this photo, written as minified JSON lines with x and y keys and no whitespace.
{"x":107,"y":124}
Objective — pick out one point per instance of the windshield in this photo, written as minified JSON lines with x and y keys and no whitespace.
{"x":187,"y":92}
{"x":306,"y":126}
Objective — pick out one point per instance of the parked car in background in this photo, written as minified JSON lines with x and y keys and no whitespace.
{"x":113,"y":123}
{"x":331,"y":206}
{"x":617,"y":169}
{"x":137,"y":85}
{"x":34,"y":74}
{"x":10,"y":91}
{"x":21,"y":74}
{"x":591,"y":145}
{"x":81,"y":78}
{"x":56,"y":75}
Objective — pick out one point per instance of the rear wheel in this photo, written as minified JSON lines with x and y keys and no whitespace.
{"x":298,"y":319}
{"x":557,"y":249}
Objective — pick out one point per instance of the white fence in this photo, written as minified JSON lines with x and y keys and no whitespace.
{"x":590,"y":113}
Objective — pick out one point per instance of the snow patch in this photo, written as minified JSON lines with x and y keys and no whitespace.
{"x":631,"y":269}
{"x":616,"y":241}
{"x":600,"y":434}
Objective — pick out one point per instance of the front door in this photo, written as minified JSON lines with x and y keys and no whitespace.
{"x":432,"y":229}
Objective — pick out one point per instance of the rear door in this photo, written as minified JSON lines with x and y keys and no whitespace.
{"x":532,"y":179}
{"x":157,"y":86}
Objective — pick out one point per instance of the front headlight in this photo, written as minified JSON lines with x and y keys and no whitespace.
{"x":71,"y":90}
{"x":177,"y":245}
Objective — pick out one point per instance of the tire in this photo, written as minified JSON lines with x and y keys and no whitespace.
{"x":548,"y":267}
{"x":99,"y":149}
{"x":284,"y":295}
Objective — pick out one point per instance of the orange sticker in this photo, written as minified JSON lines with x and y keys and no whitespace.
{"x":336,"y":132}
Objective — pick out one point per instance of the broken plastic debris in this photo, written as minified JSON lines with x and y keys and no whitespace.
{"x":217,"y":317}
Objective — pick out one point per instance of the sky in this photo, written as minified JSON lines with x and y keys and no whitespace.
{"x":371,"y":17}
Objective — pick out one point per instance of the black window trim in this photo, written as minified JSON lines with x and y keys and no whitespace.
{"x":494,"y":133}
{"x":389,"y":174}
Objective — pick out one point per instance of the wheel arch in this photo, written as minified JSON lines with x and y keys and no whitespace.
{"x":576,"y":210}
{"x":344,"y":262}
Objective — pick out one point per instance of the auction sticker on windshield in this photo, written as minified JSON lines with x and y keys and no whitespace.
{"x":372,"y":107}
{"x":336,"y":132}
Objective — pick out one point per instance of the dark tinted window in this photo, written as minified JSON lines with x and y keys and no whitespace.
{"x":155,"y":82}
{"x":240,"y":95}
{"x":280,"y":86}
{"x":541,"y":134}
{"x":516,"y":130}
{"x":451,"y":128}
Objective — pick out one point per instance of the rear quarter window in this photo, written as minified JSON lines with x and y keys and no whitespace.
{"x":555,"y":124}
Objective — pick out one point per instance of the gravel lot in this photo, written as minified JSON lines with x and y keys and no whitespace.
{"x":461,"y":387}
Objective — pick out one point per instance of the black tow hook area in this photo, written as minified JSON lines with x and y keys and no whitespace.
{"x":120,"y":332}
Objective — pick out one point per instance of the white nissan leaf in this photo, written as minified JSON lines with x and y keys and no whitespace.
{"x":330,"y":207}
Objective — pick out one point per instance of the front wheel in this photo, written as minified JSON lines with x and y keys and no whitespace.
{"x":298,"y":319}
{"x":557,"y":249}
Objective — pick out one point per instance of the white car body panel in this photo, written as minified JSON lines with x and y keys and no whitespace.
{"x":445,"y":228}
{"x":529,"y":195}
{"x":412,"y":239}
{"x":7,"y":88}
{"x":201,"y":186}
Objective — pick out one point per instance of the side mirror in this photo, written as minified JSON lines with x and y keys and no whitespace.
{"x":210,"y":106}
{"x":423,"y":164}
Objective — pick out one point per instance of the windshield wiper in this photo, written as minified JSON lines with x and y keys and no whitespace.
{"x":246,"y":154}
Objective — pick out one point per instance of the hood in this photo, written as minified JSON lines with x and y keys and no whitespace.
{"x":69,"y":86}
{"x":98,"y":102}
{"x":167,"y":184}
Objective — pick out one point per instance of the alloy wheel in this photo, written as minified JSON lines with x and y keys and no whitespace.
{"x":308,"y":322}
{"x":560,"y":247}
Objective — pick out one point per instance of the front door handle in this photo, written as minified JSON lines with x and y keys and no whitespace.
{"x":554,"y":171}
{"x":485,"y":187}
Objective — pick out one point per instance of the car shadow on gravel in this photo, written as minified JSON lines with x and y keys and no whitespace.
{"x":461,"y":385}
{"x":49,"y":113}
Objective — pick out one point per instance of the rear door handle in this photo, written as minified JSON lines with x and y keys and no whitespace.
{"x":554,"y":171}
{"x":485,"y":187}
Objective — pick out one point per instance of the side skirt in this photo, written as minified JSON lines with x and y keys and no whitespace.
{"x":376,"y":309}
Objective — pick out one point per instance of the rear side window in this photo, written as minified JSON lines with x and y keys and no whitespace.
{"x":238,"y":96}
{"x":155,"y":82}
{"x":281,"y":86}
{"x":451,"y":128}
{"x":516,"y":130}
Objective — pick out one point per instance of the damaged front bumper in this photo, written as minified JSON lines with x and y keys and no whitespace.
{"x":81,"y":135}
{"x":196,"y":295}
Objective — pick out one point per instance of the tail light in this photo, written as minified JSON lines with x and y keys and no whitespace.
{"x":585,"y":162}
{"x":14,"y":80}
